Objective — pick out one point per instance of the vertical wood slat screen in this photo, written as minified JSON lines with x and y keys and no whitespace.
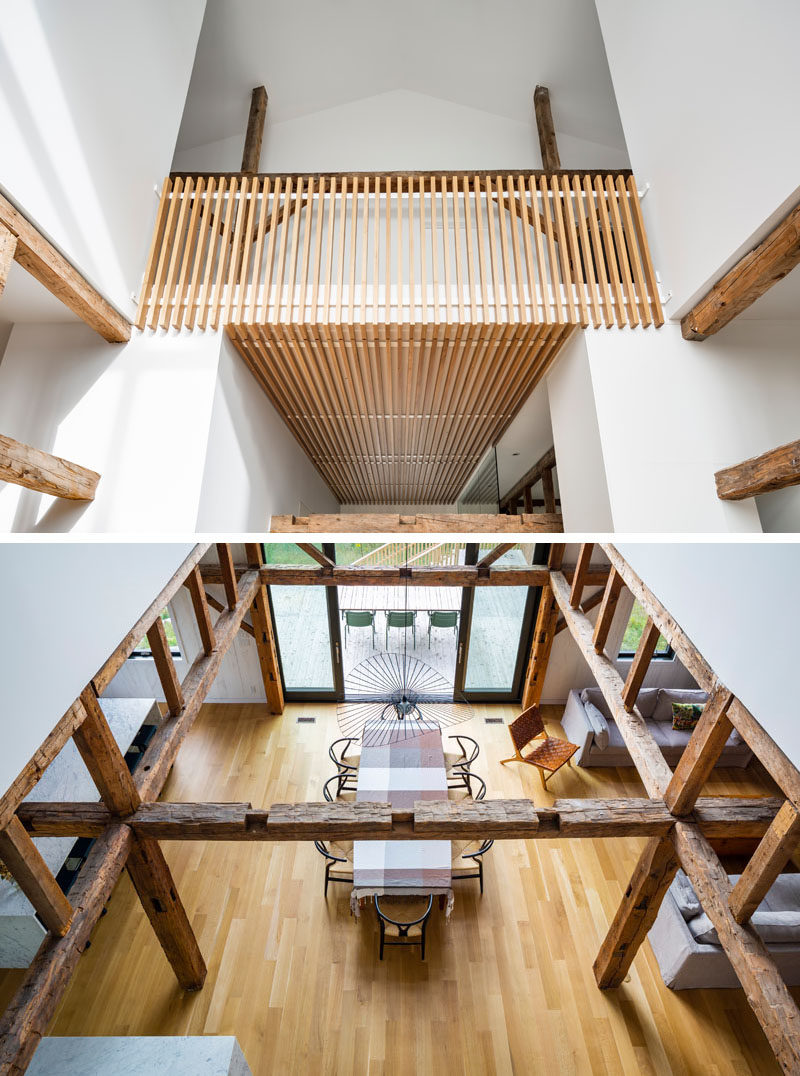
{"x":527,"y":248}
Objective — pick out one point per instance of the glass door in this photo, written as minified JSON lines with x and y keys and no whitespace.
{"x":306,"y":620}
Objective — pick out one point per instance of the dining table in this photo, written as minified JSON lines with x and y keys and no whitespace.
{"x":404,"y":766}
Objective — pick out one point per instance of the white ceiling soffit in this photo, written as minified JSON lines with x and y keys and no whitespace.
{"x":482,"y":54}
{"x":26,"y":300}
{"x":738,"y":604}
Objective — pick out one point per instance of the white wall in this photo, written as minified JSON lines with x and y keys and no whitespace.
{"x":707,"y":95}
{"x":137,"y":413}
{"x":576,"y":438}
{"x":254,"y":466}
{"x":66,"y":607}
{"x":398,"y":130}
{"x":526,"y":440}
{"x":670,"y":415}
{"x":91,"y":99}
{"x":738,"y":603}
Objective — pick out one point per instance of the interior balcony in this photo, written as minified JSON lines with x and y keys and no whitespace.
{"x":399,"y":321}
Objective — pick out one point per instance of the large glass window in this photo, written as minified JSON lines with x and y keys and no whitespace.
{"x":302,"y":626}
{"x":498,"y":617}
{"x":633,"y":634}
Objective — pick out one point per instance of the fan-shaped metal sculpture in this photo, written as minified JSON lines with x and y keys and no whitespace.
{"x":393,"y":696}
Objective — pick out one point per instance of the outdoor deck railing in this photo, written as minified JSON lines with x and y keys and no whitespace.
{"x":408,"y":248}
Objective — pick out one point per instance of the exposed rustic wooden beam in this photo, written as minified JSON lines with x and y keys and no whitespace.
{"x":123,"y":651}
{"x":264,"y":634}
{"x":420,"y":523}
{"x":781,"y":769}
{"x":228,"y":573}
{"x":645,"y":752}
{"x":34,"y":877}
{"x":640,"y":664}
{"x":220,"y":607}
{"x":455,"y":575}
{"x":581,"y":571}
{"x":26,"y":466}
{"x":8,"y":246}
{"x":49,"y":266}
{"x":544,"y":464}
{"x":767,"y":862}
{"x":103,"y":758}
{"x":541,"y":646}
{"x":701,"y":755}
{"x":776,"y":469}
{"x":162,"y":750}
{"x":200,"y":604}
{"x":251,"y":155}
{"x":651,"y":879}
{"x":316,"y":554}
{"x":551,"y":161}
{"x":548,"y":490}
{"x":717,"y":817}
{"x":586,"y":606}
{"x":494,"y":554}
{"x":165,"y":666}
{"x":31,"y":1009}
{"x":608,"y":608}
{"x":152,"y":879}
{"x":766,"y":991}
{"x":748,"y":280}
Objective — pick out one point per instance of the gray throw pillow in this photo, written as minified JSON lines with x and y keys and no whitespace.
{"x":776,"y":928}
{"x":685,"y":896}
{"x":599,"y":725}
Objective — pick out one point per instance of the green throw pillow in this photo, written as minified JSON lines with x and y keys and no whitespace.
{"x":685,"y":716}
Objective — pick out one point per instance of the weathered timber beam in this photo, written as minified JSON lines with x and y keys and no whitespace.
{"x":651,"y":879}
{"x":162,"y":750}
{"x":264,"y":635}
{"x":769,"y":859}
{"x":644,"y":751}
{"x":544,"y":632}
{"x":220,"y":607}
{"x":548,"y":491}
{"x":780,"y":768}
{"x":228,"y":573}
{"x":586,"y":606}
{"x":26,"y":466}
{"x":316,"y":554}
{"x":581,"y":571}
{"x":103,"y":759}
{"x":776,"y":469}
{"x":494,"y":554}
{"x":49,"y":266}
{"x":34,"y":877}
{"x":420,"y":523}
{"x":8,"y":246}
{"x":608,"y":608}
{"x":456,"y":575}
{"x":251,"y":154}
{"x":717,"y":817}
{"x":748,"y":280}
{"x":766,"y":991}
{"x":152,"y":879}
{"x":122,"y":652}
{"x":546,"y":463}
{"x":29,"y":1012}
{"x":701,"y":754}
{"x":547,"y":132}
{"x":640,"y":664}
{"x":165,"y":666}
{"x":200,"y":604}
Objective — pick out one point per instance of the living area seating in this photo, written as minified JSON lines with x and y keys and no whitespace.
{"x":685,"y":943}
{"x":549,"y":755}
{"x":587,"y":721}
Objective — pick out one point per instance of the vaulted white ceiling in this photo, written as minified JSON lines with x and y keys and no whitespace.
{"x":482,"y":54}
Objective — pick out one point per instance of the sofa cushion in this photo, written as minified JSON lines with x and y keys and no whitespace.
{"x":777,"y":928}
{"x":685,"y":897}
{"x":645,"y":703}
{"x":685,"y":716}
{"x":599,"y":725}
{"x":662,"y":710}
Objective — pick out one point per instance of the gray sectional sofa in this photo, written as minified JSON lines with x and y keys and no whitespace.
{"x":587,"y":722}
{"x":685,"y":946}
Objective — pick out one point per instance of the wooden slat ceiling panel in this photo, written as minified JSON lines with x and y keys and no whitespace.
{"x":392,"y":424}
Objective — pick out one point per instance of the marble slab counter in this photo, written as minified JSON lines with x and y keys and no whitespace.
{"x":65,"y":779}
{"x":195,"y":1055}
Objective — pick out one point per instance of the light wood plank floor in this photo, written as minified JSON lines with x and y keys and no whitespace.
{"x":508,"y":983}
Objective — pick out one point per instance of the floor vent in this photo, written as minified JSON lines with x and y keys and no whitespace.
{"x":493,"y":720}
{"x":306,"y":719}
